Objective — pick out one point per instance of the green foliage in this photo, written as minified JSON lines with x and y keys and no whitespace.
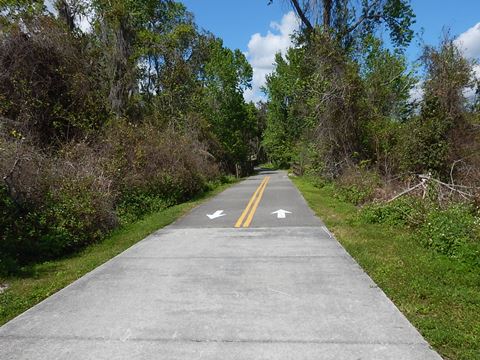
{"x":348,"y":21}
{"x":49,"y":87}
{"x":423,"y":146}
{"x":431,"y":141}
{"x":71,"y":216}
{"x":354,"y":194}
{"x":316,"y":102}
{"x":14,"y":12}
{"x":405,"y":211}
{"x":100,"y":128}
{"x":34,"y":282}
{"x":285,"y":123}
{"x":356,"y":185}
{"x":233,"y":122}
{"x":453,"y":231}
{"x":399,"y":18}
{"x":134,"y":206}
{"x":387,"y":79}
{"x":10,"y":216}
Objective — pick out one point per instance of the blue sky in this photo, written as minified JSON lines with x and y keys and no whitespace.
{"x":237,"y":22}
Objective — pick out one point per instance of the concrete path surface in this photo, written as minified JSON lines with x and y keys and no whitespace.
{"x":248,"y":283}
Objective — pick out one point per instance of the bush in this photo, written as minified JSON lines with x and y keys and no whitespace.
{"x":152,"y":167}
{"x":133,"y":206}
{"x":407,"y":211}
{"x":51,"y":205}
{"x":75,"y":214}
{"x":54,"y":203}
{"x":356,"y":185}
{"x":451,"y":231}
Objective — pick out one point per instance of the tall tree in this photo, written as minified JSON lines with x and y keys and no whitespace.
{"x":347,"y":19}
{"x":227,"y":75}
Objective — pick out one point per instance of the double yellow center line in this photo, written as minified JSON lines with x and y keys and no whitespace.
{"x":247,"y":214}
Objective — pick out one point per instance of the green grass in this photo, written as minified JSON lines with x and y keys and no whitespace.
{"x":439,"y":295}
{"x":39,"y":281}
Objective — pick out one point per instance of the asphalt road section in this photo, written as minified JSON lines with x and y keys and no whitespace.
{"x":251,"y":274}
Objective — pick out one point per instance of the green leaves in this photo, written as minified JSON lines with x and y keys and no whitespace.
{"x":227,"y":75}
{"x":286,"y":89}
{"x":399,"y":17}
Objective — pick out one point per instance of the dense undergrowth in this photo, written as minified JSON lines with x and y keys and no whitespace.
{"x":453,"y":230}
{"x":450,"y":227}
{"x":63,"y":202}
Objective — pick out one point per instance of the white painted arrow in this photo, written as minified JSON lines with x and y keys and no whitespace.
{"x":281,"y":214}
{"x":216,"y":214}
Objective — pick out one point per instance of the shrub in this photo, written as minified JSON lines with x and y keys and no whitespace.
{"x":407,"y":211}
{"x":356,"y":185}
{"x":51,"y":205}
{"x":153,"y":168}
{"x":75,"y":214}
{"x":54,"y":203}
{"x":134,"y":205}
{"x":451,"y":231}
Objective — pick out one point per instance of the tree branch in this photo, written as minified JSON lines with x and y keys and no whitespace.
{"x":301,"y":14}
{"x":365,"y":17}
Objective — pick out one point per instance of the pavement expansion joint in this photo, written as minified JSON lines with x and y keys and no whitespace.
{"x":214,"y":340}
{"x":234,"y":257}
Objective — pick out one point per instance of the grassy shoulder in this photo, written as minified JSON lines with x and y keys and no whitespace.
{"x":39,"y":281}
{"x":439,"y":295}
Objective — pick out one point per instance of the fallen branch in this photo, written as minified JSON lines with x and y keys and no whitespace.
{"x":423,"y":183}
{"x":405,"y":192}
{"x":449,"y":186}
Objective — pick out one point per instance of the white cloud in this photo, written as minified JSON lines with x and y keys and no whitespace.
{"x":416,"y":93}
{"x":82,"y":21}
{"x":469,"y":42}
{"x":262,"y":49}
{"x":476,"y":71}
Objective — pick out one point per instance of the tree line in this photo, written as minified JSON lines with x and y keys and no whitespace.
{"x":340,"y":110}
{"x":99,"y":126}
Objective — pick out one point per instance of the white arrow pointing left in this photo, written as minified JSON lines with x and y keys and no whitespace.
{"x":281,"y":214}
{"x":216,"y":214}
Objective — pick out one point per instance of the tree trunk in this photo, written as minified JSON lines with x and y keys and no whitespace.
{"x":327,"y":13}
{"x":121,"y":84}
{"x":66,"y":14}
{"x":302,"y":15}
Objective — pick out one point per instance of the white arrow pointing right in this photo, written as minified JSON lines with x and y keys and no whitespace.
{"x":281,"y":214}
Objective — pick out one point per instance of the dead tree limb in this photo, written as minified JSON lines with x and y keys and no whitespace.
{"x":405,"y":192}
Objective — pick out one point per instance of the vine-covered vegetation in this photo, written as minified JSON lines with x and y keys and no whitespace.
{"x":340,"y":109}
{"x":100,"y":126}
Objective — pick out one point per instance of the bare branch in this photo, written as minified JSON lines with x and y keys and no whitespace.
{"x":302,"y":15}
{"x":366,"y":16}
{"x":405,"y":192}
